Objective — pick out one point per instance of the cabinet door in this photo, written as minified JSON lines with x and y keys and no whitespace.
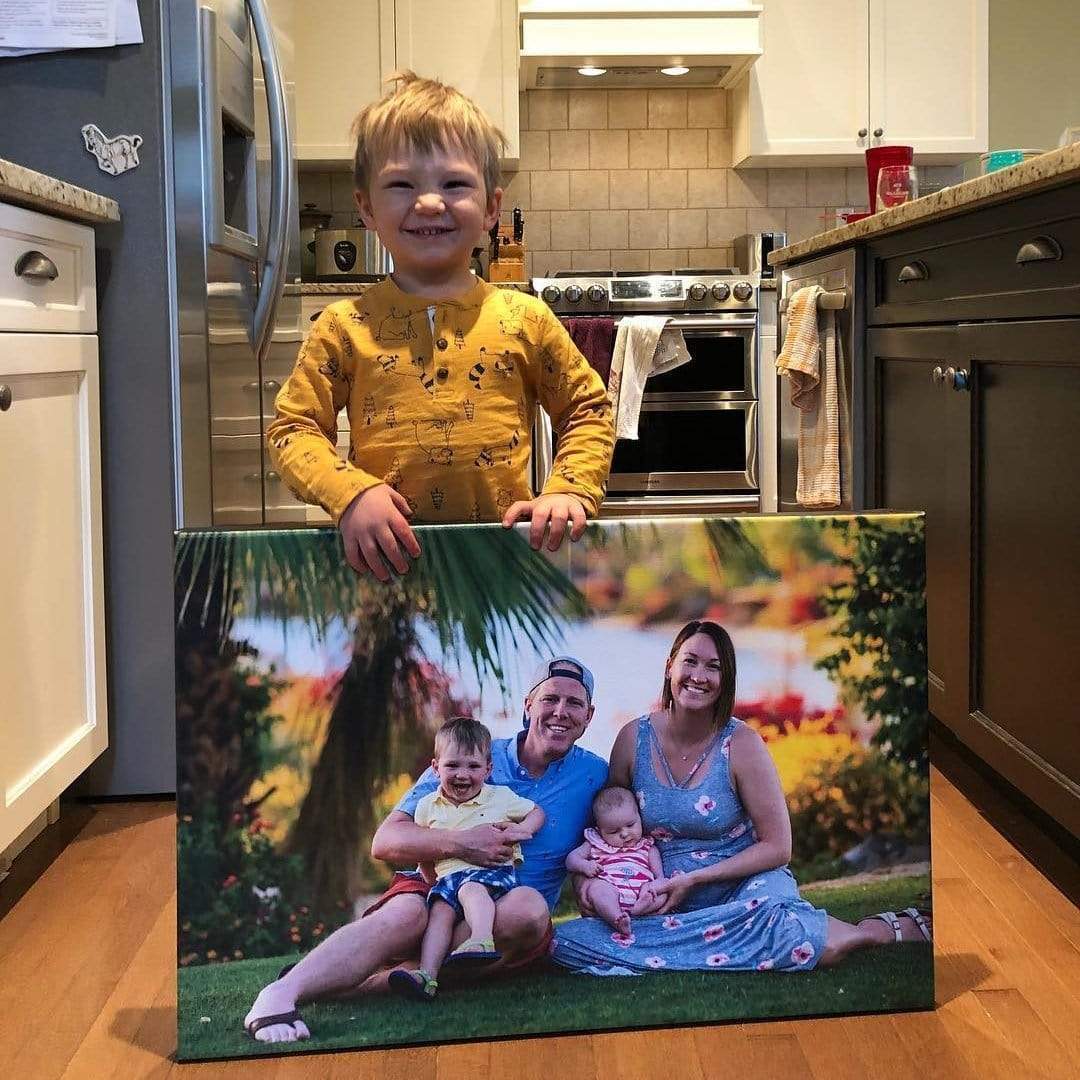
{"x":807,"y":95}
{"x":473,"y":47}
{"x":921,"y":461}
{"x":928,"y":76}
{"x":52,"y":622}
{"x":1026,"y":616}
{"x":343,"y":49}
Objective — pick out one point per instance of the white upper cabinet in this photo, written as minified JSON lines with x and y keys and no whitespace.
{"x":343,"y":50}
{"x":473,"y":47}
{"x":839,"y":76}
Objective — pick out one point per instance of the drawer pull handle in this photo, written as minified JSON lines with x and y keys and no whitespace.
{"x":252,"y":387}
{"x":878,"y":132}
{"x":1041,"y":249}
{"x":958,"y":378}
{"x":913,"y":271}
{"x":273,"y":477}
{"x":36,"y":265}
{"x":938,"y":375}
{"x":253,"y":477}
{"x":271,"y":384}
{"x":5,"y":397}
{"x":862,"y":133}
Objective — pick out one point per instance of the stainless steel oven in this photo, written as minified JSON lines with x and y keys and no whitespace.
{"x":698,"y":425}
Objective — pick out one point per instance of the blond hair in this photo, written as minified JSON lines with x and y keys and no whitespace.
{"x":469,"y":736}
{"x":424,"y":114}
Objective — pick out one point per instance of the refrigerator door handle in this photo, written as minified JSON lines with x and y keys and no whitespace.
{"x":281,"y":196}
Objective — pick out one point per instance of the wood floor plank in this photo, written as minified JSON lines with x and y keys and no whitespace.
{"x":543,"y":1059}
{"x":829,"y":1048}
{"x":1043,"y":1055}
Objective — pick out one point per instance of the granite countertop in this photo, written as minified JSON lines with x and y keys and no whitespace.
{"x":35,"y":190}
{"x":1052,"y":169}
{"x":358,"y":288}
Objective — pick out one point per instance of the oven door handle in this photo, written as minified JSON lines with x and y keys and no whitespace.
{"x":713,"y":323}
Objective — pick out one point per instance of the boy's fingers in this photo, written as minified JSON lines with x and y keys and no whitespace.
{"x":392,"y":551}
{"x":401,"y":502}
{"x":578,"y":516}
{"x":537,"y":525}
{"x":516,"y":512}
{"x":354,"y":558}
{"x":370,"y":551}
{"x":405,"y":536}
{"x":557,"y":528}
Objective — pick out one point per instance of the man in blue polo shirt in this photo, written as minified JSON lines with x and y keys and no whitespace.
{"x":543,"y":764}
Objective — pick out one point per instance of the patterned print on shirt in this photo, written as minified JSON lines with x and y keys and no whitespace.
{"x":504,"y":499}
{"x":504,"y":364}
{"x":459,"y":340}
{"x":476,"y":372}
{"x":393,"y":476}
{"x":437,"y":496}
{"x":470,"y":409}
{"x":391,"y":417}
{"x":490,"y":456}
{"x":332,"y":369}
{"x":396,"y":328}
{"x":369,"y":410}
{"x":436,"y":455}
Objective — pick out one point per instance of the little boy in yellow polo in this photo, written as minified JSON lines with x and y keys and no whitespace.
{"x":440,"y":372}
{"x":463,"y":800}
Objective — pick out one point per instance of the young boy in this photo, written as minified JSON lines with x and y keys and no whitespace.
{"x":439,"y":371}
{"x":462,"y":800}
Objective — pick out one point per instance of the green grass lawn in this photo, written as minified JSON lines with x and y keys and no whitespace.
{"x":214,"y":998}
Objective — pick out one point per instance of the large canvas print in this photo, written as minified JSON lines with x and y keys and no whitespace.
{"x":673,"y":773}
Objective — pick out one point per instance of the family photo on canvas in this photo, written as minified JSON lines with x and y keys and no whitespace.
{"x":674,"y":773}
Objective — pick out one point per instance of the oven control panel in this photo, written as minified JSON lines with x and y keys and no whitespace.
{"x":669,"y":293}
{"x":657,"y":288}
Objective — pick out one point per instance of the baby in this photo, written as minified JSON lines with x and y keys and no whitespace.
{"x":617,"y":860}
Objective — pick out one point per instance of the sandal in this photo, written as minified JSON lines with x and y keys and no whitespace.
{"x":892,"y":920}
{"x":261,"y":1022}
{"x":476,"y":952}
{"x":418,"y":984}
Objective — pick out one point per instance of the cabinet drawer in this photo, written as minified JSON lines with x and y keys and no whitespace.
{"x":1016,"y":260}
{"x":46,"y":274}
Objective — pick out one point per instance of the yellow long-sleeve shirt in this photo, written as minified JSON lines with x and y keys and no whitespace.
{"x":443,"y":413}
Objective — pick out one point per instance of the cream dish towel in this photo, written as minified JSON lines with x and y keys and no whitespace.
{"x":643,"y":347}
{"x":812,"y":362}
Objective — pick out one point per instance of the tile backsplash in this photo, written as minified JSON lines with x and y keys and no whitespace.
{"x":640,"y":178}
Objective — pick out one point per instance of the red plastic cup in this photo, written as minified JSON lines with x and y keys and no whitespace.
{"x":876,"y":158}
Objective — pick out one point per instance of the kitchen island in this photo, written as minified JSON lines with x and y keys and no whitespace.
{"x":966,"y":389}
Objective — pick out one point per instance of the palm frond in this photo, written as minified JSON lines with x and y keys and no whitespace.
{"x":736,"y":550}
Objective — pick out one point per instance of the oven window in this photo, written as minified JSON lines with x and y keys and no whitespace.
{"x":716,"y":364}
{"x":685,"y":441}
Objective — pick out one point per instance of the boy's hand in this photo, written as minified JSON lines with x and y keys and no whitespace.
{"x":551,"y":512}
{"x":373,"y":527}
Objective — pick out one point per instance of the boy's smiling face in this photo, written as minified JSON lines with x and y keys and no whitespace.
{"x":430,"y":209}
{"x":461,"y":772}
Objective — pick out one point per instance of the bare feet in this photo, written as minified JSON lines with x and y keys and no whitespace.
{"x":622,"y":924}
{"x":276,"y":1000}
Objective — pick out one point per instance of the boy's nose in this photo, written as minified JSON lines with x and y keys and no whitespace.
{"x":430,"y":203}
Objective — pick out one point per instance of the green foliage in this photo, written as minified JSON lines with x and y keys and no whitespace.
{"x":237,"y":896}
{"x":881,"y":617}
{"x":841,"y":804}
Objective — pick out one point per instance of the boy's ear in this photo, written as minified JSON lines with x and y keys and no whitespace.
{"x":494,"y":208}
{"x":363,"y":204}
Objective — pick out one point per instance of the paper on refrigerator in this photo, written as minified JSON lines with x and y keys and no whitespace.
{"x":34,"y":26}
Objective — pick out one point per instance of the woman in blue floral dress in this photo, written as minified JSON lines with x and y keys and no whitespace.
{"x":711,"y":798}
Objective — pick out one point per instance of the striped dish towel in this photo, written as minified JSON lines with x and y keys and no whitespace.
{"x":812,"y":362}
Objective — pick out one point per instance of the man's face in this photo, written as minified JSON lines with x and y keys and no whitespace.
{"x":559,"y":712}
{"x":430,"y":210}
{"x":461,"y":772}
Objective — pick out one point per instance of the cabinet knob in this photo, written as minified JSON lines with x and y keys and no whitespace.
{"x":912,"y":271}
{"x":36,"y":265}
{"x":5,"y":397}
{"x":273,"y":477}
{"x":937,"y":375}
{"x":878,"y":132}
{"x":1040,"y":249}
{"x":271,"y":384}
{"x":958,"y":378}
{"x":862,"y":133}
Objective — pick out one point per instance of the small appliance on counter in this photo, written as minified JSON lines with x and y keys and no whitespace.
{"x":752,"y":252}
{"x":350,"y":255}
{"x":507,"y":262}
{"x":312,"y":220}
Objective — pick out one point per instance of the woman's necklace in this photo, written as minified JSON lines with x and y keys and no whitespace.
{"x":685,"y":757}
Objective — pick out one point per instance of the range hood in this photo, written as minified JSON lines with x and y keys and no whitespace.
{"x":632,"y":40}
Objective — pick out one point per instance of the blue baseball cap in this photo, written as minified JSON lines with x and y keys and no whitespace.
{"x":560,"y":667}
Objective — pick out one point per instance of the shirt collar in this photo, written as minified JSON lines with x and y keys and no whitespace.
{"x":513,"y":747}
{"x":481,"y":797}
{"x":396,"y":297}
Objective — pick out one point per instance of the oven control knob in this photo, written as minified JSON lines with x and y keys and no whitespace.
{"x":743,"y":290}
{"x":551,"y":293}
{"x":597,"y":294}
{"x":697,"y":291}
{"x":573,"y":294}
{"x":721,"y":291}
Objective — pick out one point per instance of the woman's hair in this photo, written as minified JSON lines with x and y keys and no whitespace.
{"x":612,"y":798}
{"x":424,"y":114}
{"x":725,"y":703}
{"x":467,"y":734}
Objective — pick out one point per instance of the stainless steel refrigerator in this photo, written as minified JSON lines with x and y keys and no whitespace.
{"x":199,"y":313}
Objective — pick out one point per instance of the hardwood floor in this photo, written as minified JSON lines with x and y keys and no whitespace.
{"x":87,"y":981}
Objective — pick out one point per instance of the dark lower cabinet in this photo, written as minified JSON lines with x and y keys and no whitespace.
{"x":979,"y":425}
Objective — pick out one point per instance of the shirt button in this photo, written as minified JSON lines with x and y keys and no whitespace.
{"x":442,"y":374}
{"x":441,"y":343}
